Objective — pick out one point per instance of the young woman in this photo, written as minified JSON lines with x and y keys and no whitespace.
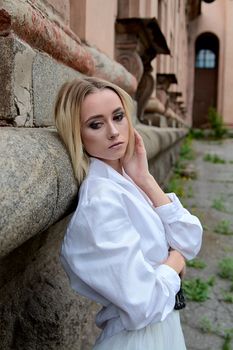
{"x":127,"y":241}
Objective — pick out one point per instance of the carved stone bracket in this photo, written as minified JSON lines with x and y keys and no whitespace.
{"x":163,"y":83}
{"x":173,"y":96}
{"x":127,"y":55}
{"x":165,"y":80}
{"x":138,"y":41}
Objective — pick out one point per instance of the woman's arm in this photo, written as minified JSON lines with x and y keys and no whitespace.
{"x":183,"y":230}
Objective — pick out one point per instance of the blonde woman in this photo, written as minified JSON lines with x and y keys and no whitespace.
{"x":127,"y":241}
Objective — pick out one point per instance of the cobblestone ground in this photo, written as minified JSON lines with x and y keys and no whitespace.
{"x":210,"y":197}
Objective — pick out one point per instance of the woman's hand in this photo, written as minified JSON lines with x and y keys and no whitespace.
{"x":137,"y":166}
{"x":176,"y":261}
{"x":183,"y":272}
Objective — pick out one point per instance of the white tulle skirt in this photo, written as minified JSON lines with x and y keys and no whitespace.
{"x":166,"y":335}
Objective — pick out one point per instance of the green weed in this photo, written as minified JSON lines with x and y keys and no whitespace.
{"x":176,"y":185}
{"x":216,"y":122}
{"x":197,"y":133}
{"x":186,"y":151}
{"x":196,"y":263}
{"x":196,"y":289}
{"x":179,"y":168}
{"x":228,"y":297}
{"x":218,"y":204}
{"x":185,"y":170}
{"x":205,"y":325}
{"x":227,"y":341}
{"x":213,"y":158}
{"x":224,"y":228}
{"x":226,"y":268}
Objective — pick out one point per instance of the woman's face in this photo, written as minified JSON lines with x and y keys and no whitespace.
{"x":104,"y":127}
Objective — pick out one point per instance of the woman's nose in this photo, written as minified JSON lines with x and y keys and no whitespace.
{"x":112,"y":131}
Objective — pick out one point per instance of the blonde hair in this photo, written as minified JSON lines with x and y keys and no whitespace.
{"x":67,"y":118}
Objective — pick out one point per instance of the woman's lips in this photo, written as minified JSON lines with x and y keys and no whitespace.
{"x":115,"y":145}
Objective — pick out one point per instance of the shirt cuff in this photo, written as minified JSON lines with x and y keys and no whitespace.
{"x":170,"y":212}
{"x":170,"y":276}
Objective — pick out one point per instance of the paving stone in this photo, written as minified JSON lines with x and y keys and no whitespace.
{"x":214,"y":181}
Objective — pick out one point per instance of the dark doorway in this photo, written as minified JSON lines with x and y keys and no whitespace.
{"x":206,"y":78}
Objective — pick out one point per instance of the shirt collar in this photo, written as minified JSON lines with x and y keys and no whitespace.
{"x":102,"y":169}
{"x":98,"y":168}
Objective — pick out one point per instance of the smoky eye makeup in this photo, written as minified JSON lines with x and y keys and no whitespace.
{"x":95,"y":125}
{"x":119,"y":116}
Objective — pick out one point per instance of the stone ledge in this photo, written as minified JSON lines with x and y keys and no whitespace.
{"x":157,"y":139}
{"x":106,"y":68}
{"x":37,"y":182}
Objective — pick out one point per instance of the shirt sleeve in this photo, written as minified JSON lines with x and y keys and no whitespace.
{"x":102,"y":248}
{"x":183,"y":230}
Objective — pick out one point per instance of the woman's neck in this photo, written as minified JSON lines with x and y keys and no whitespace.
{"x":115,"y":164}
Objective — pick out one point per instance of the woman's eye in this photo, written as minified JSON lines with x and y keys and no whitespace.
{"x":119,"y":116}
{"x":95,"y":125}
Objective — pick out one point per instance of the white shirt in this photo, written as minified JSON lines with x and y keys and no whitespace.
{"x":115,"y":246}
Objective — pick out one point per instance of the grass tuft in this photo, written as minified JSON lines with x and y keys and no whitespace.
{"x":196,"y":289}
{"x":226,"y":268}
{"x":213,"y":158}
{"x":218,"y":204}
{"x":196,"y":263}
{"x":224,"y":228}
{"x":205,"y":325}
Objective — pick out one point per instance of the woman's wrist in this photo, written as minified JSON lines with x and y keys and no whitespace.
{"x":145,"y":182}
{"x":151,"y":188}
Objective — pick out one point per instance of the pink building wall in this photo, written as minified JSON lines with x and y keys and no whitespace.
{"x":94,"y":22}
{"x":216,"y":18}
{"x":227,"y":104}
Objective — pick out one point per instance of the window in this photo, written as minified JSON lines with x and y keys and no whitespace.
{"x":205,"y":59}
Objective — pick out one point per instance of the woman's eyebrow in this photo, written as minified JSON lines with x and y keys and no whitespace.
{"x":118,"y":109}
{"x":93,"y":117}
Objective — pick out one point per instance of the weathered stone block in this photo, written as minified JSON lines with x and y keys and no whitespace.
{"x":15,"y":68}
{"x":30,"y":81}
{"x":47,"y":77}
{"x":36,"y":181}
